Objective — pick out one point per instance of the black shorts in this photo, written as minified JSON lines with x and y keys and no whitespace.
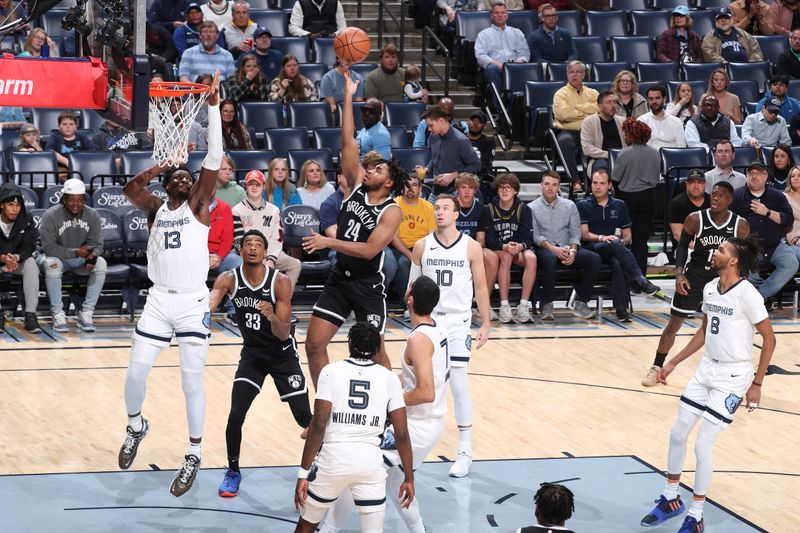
{"x":685,"y":306}
{"x":281,"y":361}
{"x":365,"y":296}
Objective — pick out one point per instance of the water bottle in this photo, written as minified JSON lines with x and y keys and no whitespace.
{"x":45,"y":51}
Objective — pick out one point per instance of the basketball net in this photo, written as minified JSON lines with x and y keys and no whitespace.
{"x":171,"y":118}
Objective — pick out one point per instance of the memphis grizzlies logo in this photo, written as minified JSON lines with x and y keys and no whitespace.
{"x":374,"y":320}
{"x":468,"y":342}
{"x":295,"y":380}
{"x":207,"y":320}
{"x":732,"y":403}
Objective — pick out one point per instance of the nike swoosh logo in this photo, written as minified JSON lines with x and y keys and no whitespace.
{"x":433,"y":248}
{"x":201,"y":299}
{"x":376,"y":286}
{"x":285,"y":348}
{"x":735,"y":375}
{"x":465,"y":320}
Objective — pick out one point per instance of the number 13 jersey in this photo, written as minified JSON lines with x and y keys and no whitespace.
{"x":177,"y":250}
{"x":449,"y":267}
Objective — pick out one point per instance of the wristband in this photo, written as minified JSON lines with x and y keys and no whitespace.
{"x":302,"y":473}
{"x":756,"y":384}
{"x":769,"y":212}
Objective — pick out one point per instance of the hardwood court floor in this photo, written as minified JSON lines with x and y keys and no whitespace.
{"x":539,"y":391}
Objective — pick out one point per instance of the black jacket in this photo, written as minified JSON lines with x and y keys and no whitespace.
{"x":22,"y":240}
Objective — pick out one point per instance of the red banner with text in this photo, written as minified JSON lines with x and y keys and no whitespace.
{"x":69,"y":83}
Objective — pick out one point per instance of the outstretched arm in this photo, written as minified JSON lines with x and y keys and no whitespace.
{"x":351,"y":165}
{"x":400,"y":425}
{"x":222,"y":286}
{"x":137,"y":193}
{"x":203,"y":190}
{"x":380,"y":237}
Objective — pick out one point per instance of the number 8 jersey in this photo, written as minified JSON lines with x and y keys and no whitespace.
{"x":449,"y":267}
{"x":177,"y":250}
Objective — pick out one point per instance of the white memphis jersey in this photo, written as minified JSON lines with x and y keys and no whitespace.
{"x":361,"y":394}
{"x":177,"y":250}
{"x":731,"y":318}
{"x":438,"y":407}
{"x":449,"y":267}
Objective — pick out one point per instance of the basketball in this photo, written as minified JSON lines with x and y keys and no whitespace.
{"x":352,"y":44}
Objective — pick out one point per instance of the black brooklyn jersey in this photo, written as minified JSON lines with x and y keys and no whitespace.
{"x":356,"y":221}
{"x":255,"y":328}
{"x":708,"y":239}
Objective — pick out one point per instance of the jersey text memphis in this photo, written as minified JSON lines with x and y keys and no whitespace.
{"x":177,"y":249}
{"x":449,"y":267}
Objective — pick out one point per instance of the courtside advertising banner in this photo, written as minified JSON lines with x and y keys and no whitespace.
{"x":68,"y":83}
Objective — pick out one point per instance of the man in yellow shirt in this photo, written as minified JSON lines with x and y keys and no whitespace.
{"x":417,"y":222}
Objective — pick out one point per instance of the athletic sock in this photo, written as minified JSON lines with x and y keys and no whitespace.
{"x":465,"y":439}
{"x":135,"y":422}
{"x":233,"y":464}
{"x":660,"y":358}
{"x":503,"y":302}
{"x":523,"y":303}
{"x":671,"y":489}
{"x":195,"y":449}
{"x":696,"y":510}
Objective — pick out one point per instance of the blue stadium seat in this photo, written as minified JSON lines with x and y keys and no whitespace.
{"x":631,"y":49}
{"x":409,"y":158}
{"x":29,"y":197}
{"x":606,"y":23}
{"x":746,"y":90}
{"x":261,"y":116}
{"x":297,"y":46}
{"x":51,"y":22}
{"x":598,"y":86}
{"x":657,"y":71}
{"x":91,"y":119}
{"x":704,"y":20}
{"x":525,"y":20}
{"x":93,"y":164}
{"x":743,"y":157}
{"x":134,"y":228}
{"x":195,"y":159}
{"x":570,"y":20}
{"x":628,"y":5}
{"x":756,"y":70}
{"x":275,"y":21}
{"x":772,"y":46}
{"x":247,"y":160}
{"x":300,"y":221}
{"x":666,"y":4}
{"x":111,"y":198}
{"x":364,"y":68}
{"x":310,"y":115}
{"x":407,"y":114}
{"x":591,"y":49}
{"x":359,"y":123}
{"x":608,"y":71}
{"x":114,"y":249}
{"x":38,"y":169}
{"x":399,"y":136}
{"x":538,"y":101}
{"x":281,"y":140}
{"x":46,"y":119}
{"x":766,"y":152}
{"x":698,"y":89}
{"x":794,"y":89}
{"x":699,"y":71}
{"x":649,"y":23}
{"x":558,"y":71}
{"x":320,"y":155}
{"x":324,"y":52}
{"x":714,"y":5}
{"x":516,"y":74}
{"x":676,"y":162}
{"x":330,"y":138}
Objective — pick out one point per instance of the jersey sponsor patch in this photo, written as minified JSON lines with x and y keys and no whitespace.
{"x":295,"y":380}
{"x":732,"y":402}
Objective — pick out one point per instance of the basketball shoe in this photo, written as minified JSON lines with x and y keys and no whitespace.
{"x":461,"y":467}
{"x":230,"y":485}
{"x":692,"y":525}
{"x":185,"y":475}
{"x":523,"y":314}
{"x":663,"y":511}
{"x":651,"y":378}
{"x":505,"y":314}
{"x":127,"y":453}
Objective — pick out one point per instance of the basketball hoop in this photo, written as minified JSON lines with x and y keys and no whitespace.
{"x":173,"y":108}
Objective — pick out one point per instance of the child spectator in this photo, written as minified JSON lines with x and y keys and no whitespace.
{"x":413,"y":91}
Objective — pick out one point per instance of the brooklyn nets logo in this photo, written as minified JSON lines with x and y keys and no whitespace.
{"x":295,"y":380}
{"x":374,"y":320}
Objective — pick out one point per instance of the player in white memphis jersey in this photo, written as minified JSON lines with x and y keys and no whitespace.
{"x":353,"y":398}
{"x":177,"y":304}
{"x":455,"y":261}
{"x":732,"y":309}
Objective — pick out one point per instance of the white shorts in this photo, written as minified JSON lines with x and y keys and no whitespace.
{"x":459,"y":337}
{"x":716,"y":389}
{"x":356,"y":466}
{"x":184,"y":314}
{"x":424,"y":434}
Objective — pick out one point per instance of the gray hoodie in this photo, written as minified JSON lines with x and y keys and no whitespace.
{"x":62,"y":234}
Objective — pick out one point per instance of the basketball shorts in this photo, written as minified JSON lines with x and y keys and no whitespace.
{"x":424,"y":433}
{"x":184,"y":314}
{"x":346,"y":465}
{"x":716,"y":389}
{"x":281,"y":361}
{"x":459,"y":337}
{"x":365,"y":296}
{"x":685,"y":306}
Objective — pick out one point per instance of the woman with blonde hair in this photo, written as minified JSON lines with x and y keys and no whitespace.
{"x":33,"y":44}
{"x":681,"y":105}
{"x":729,"y":104}
{"x":279,"y":191}
{"x":290,"y":85}
{"x":312,"y":186}
{"x":629,"y":102}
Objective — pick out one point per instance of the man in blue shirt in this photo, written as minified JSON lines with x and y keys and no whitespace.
{"x":269,"y":59}
{"x":778,"y":85}
{"x":549,"y":43}
{"x":451,"y":151}
{"x":207,"y":56}
{"x":374,"y":136}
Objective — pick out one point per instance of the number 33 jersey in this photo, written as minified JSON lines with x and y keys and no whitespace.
{"x":254,"y":326}
{"x":449,"y":267}
{"x":177,"y":250}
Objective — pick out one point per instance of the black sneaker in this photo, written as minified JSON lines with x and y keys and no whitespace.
{"x":32,"y":323}
{"x":131,"y":445}
{"x":185,"y":476}
{"x":649,"y":288}
{"x":623,"y":316}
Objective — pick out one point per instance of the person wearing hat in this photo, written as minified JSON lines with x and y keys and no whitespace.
{"x":268,"y":58}
{"x":766,"y":128}
{"x":240,"y":31}
{"x":752,"y":16}
{"x":709,"y":126}
{"x":29,"y":139}
{"x":693,"y":198}
{"x":17,"y":243}
{"x":679,"y":40}
{"x":72,"y":242}
{"x":188,"y":35}
{"x":778,"y":85}
{"x":374,"y":135}
{"x":483,"y":145}
{"x":549,"y":43}
{"x":726,"y":44}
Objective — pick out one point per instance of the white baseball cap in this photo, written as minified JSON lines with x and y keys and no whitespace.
{"x":74,"y":186}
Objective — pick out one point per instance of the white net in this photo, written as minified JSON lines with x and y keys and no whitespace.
{"x":171,"y":118}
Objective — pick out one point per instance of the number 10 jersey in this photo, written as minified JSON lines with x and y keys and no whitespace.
{"x":449,"y":267}
{"x":177,"y":250}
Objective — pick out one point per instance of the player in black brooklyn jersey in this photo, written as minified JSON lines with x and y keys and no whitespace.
{"x":708,"y":229}
{"x":367,"y":222}
{"x":262,"y":298}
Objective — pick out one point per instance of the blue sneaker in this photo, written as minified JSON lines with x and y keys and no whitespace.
{"x":691,"y":525}
{"x":230,"y":485}
{"x":663,"y":511}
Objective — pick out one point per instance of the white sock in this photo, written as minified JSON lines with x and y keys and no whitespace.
{"x":523,"y":303}
{"x":503,"y":302}
{"x":195,"y":449}
{"x":696,"y":510}
{"x":671,"y":489}
{"x":135,"y":422}
{"x":465,"y":439}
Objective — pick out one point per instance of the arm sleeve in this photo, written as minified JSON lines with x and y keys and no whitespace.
{"x":624,"y":216}
{"x":587,"y":142}
{"x":693,"y":137}
{"x":48,"y":235}
{"x":522,"y":53}
{"x":785,"y":209}
{"x":662,"y":48}
{"x":273,"y":235}
{"x":492,"y":239}
{"x":296,"y":21}
{"x":533,"y":46}
{"x":785,"y":138}
{"x":237,"y":89}
{"x":396,"y":400}
{"x":410,"y":92}
{"x":708,"y":46}
{"x":371,"y":86}
{"x":28,"y":242}
{"x":682,"y":251}
{"x":213,"y":158}
{"x":238,"y":232}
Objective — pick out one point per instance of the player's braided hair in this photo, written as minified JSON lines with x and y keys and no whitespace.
{"x":364,"y":340}
{"x":748,"y":251}
{"x":399,"y":177}
{"x":554,"y":504}
{"x":172,"y":170}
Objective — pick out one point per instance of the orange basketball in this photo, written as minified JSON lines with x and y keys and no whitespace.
{"x":352,"y":44}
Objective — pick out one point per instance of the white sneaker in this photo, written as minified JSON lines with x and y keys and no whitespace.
{"x":651,"y":378}
{"x":86,"y":321}
{"x":523,"y":314}
{"x":492,"y":315}
{"x":406,"y":316}
{"x":461,"y":467}
{"x":505,"y":314}
{"x":60,"y":322}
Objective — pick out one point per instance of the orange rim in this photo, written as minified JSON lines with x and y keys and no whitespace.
{"x":176,"y":88}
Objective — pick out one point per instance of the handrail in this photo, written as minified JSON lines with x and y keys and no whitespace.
{"x":428,"y":33}
{"x":383,"y":6}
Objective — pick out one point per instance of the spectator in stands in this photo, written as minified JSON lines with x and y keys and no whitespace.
{"x":280,"y":192}
{"x":629,"y":102}
{"x":606,"y":231}
{"x":206,"y":57}
{"x":752,"y":16}
{"x":253,"y":213}
{"x":235,"y":135}
{"x":499,"y":44}
{"x":694,"y":198}
{"x":67,"y":140}
{"x":12,"y":12}
{"x":413,"y":91}
{"x":221,"y":254}
{"x":783,"y":13}
{"x":729,"y":103}
{"x":386,"y":82}
{"x":160,"y":48}
{"x":766,"y":128}
{"x":636,"y":173}
{"x":780,"y":163}
{"x":71,"y":241}
{"x":312,"y":186}
{"x":447,"y":16}
{"x":33,"y":44}
{"x":169,"y":14}
{"x":557,"y":235}
{"x":587,"y":5}
{"x":790,"y":106}
{"x":483,"y":145}
{"x":602,"y":132}
{"x":17,"y":244}
{"x":29,"y":139}
{"x":249,"y":83}
{"x":770,"y":216}
{"x":510,"y":237}
{"x":197,"y":132}
{"x":709,"y":126}
{"x":188,"y":34}
{"x":793,"y":196}
{"x":228,"y":190}
{"x":788,"y":63}
{"x":666,"y":130}
{"x":318,"y":19}
{"x":113,"y":137}
{"x":475,"y":220}
{"x":549,"y":43}
{"x":679,"y":41}
{"x":423,"y":134}
{"x":726,"y":44}
{"x":418,"y":221}
{"x":331,"y":88}
{"x":220,"y":12}
{"x":290,"y":85}
{"x":682,"y":106}
{"x":554,"y":506}
{"x":724,"y":153}
{"x":374,"y":136}
{"x":240,"y":31}
{"x":269,"y":59}
{"x":11,"y":118}
{"x":571,"y":105}
{"x":451,"y":152}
